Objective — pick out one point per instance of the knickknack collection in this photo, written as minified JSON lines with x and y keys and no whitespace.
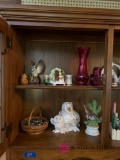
{"x":67,"y":119}
{"x":57,"y":76}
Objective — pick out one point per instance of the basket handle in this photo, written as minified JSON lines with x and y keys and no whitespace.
{"x":33,"y":112}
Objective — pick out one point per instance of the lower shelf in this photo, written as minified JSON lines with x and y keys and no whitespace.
{"x":50,"y":140}
{"x":70,"y":146}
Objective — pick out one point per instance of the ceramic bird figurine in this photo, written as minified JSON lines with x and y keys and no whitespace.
{"x":70,"y":116}
{"x":37,"y":70}
{"x":58,"y":123}
{"x":90,"y":115}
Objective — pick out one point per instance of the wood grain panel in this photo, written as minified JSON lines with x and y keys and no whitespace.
{"x":116,"y":59}
{"x":16,"y":67}
{"x":75,"y":154}
{"x":5,"y":117}
{"x":107,"y":88}
{"x":37,"y":15}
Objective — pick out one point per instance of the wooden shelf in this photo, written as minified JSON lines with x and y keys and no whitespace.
{"x":49,"y":140}
{"x":116,"y":88}
{"x":115,"y":143}
{"x":59,"y":87}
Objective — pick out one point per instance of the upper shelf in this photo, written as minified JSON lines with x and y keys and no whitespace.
{"x":60,"y":87}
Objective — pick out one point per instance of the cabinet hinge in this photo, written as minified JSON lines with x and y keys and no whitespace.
{"x":4,"y":52}
{"x":7,"y":129}
{"x":9,"y":42}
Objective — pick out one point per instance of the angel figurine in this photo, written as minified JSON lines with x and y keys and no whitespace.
{"x":37,"y":71}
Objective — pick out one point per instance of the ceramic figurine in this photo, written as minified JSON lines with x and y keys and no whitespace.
{"x":70,"y":116}
{"x":37,"y":70}
{"x":46,"y":79}
{"x":95,"y":77}
{"x":92,"y":118}
{"x":57,"y":76}
{"x":115,"y":77}
{"x":90,"y":115}
{"x":58,"y":123}
{"x":24,"y":79}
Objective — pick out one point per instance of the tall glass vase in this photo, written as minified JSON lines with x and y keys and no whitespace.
{"x":82,"y":74}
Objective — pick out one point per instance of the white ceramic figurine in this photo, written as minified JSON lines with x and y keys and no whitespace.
{"x":70,"y":116}
{"x":58,"y":123}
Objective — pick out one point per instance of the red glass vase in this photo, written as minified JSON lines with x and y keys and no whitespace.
{"x":82,"y":74}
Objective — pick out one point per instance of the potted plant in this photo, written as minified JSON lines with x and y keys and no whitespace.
{"x":92,"y":121}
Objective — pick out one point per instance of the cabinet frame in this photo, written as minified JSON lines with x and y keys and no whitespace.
{"x":38,"y":17}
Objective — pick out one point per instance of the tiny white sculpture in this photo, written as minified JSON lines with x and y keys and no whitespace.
{"x":70,"y":116}
{"x":58,"y":123}
{"x":67,"y":119}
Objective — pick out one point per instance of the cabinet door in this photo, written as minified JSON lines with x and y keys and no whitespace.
{"x":4,"y":87}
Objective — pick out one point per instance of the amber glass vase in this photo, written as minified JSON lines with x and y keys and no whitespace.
{"x":82,"y":74}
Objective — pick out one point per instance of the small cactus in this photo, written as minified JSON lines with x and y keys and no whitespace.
{"x":93,"y":120}
{"x":94,"y":108}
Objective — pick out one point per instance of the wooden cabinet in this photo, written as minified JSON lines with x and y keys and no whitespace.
{"x":53,"y":34}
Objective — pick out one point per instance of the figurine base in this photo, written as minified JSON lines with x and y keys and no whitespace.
{"x":92,"y":131}
{"x":54,"y":83}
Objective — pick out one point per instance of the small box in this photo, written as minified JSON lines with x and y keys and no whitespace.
{"x":115,"y":134}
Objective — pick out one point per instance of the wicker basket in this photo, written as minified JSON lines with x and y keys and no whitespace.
{"x":34,"y":129}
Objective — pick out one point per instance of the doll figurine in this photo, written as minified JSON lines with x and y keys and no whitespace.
{"x":24,"y":79}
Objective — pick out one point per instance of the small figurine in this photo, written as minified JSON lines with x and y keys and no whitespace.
{"x":115,"y":79}
{"x":90,"y":115}
{"x":70,"y":116}
{"x":58,"y":123}
{"x":46,"y":79}
{"x":37,"y":70}
{"x":95,"y":77}
{"x":24,"y":79}
{"x":57,"y":76}
{"x":92,"y":118}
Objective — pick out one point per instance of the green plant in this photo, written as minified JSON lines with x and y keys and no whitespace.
{"x":93,"y":122}
{"x":94,"y":108}
{"x":94,"y":111}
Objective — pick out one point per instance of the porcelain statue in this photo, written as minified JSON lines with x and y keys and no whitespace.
{"x":58,"y":123}
{"x":67,"y":119}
